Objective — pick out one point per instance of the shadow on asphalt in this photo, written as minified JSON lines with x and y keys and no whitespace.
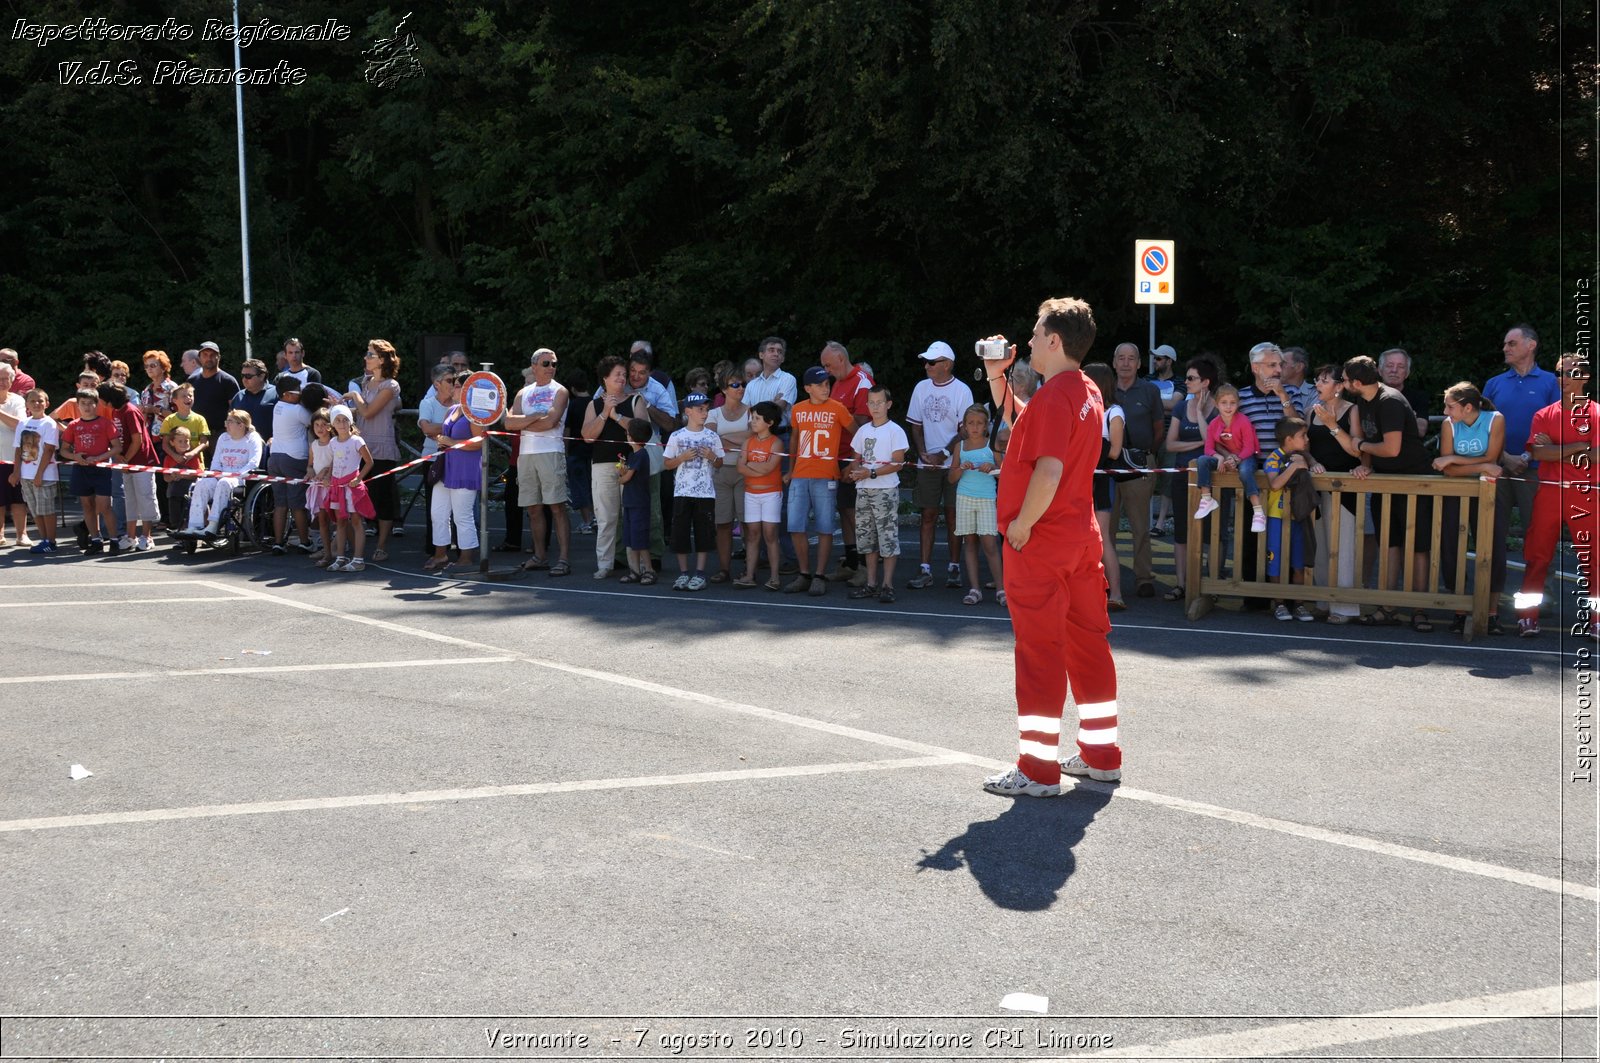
{"x":1024,"y":856}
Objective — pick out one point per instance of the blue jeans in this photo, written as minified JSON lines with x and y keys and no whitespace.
{"x":1206,"y":465}
{"x":818,"y":498}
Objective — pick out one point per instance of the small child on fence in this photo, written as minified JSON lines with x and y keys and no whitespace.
{"x":179,"y":452}
{"x":972,"y":470}
{"x":238,"y":453}
{"x":633,"y":472}
{"x":1230,"y":444}
{"x":35,"y":471}
{"x":881,"y":447}
{"x":1292,"y":455}
{"x":763,"y":494}
{"x":320,"y":471}
{"x":695,"y":451}
{"x":347,"y":495}
{"x":87,"y":442}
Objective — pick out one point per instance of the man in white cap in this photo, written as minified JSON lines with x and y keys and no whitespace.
{"x":934,"y":420}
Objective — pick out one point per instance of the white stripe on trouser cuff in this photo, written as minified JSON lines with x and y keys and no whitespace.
{"x":1594,"y":604}
{"x":1106,"y":736}
{"x":1097,"y":711}
{"x":1036,"y":749}
{"x":1050,"y":725}
{"x":1527,"y":601}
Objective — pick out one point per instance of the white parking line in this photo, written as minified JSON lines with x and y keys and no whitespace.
{"x":1249,"y":819}
{"x":1373,"y":1026}
{"x":476,"y":793}
{"x":56,"y":602}
{"x":100,"y":583}
{"x":987,"y":613}
{"x":275,"y":669}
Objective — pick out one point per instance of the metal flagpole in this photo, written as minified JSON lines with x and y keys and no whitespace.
{"x":244,"y":208}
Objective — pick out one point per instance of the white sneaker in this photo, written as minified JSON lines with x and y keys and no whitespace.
{"x":1258,"y":522}
{"x":1013,"y":783}
{"x":127,"y":542}
{"x":1208,"y":505}
{"x":143,"y":543}
{"x":681,"y":583}
{"x":1076,"y":766}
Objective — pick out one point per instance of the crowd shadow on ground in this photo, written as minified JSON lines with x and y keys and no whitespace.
{"x":1023,"y":857}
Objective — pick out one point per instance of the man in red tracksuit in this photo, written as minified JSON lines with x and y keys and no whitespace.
{"x":1055,"y":584}
{"x":1563,"y":439}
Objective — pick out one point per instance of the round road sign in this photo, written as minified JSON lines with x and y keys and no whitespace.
{"x":1154,"y":261}
{"x":483,"y":398}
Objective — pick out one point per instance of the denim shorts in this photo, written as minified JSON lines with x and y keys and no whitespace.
{"x":818,"y":498}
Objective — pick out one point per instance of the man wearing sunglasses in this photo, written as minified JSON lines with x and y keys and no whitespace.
{"x":539,"y":412}
{"x":256,"y":397}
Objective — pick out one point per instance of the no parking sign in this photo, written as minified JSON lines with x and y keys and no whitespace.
{"x":1153,"y":271}
{"x":483,"y":398}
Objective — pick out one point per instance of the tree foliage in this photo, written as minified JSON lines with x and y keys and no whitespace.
{"x":1344,"y":174}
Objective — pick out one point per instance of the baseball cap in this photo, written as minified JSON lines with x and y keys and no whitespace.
{"x":209,"y":345}
{"x":936,"y":351}
{"x":1165,"y":351}
{"x":695,"y":398}
{"x":816,"y":375}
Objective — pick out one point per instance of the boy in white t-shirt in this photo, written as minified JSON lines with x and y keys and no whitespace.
{"x":880,"y":449}
{"x":37,"y":437}
{"x":695,"y":453}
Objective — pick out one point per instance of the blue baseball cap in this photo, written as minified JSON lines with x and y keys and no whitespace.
{"x":695,"y":398}
{"x":817,"y":375}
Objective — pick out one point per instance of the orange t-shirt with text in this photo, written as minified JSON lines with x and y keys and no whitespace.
{"x":818,"y":432}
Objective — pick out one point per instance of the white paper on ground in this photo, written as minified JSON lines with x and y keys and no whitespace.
{"x":80,"y":772}
{"x":1025,"y":1002}
{"x":256,"y":653}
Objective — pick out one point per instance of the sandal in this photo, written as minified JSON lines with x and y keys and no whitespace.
{"x":773,"y":584}
{"x":631,"y":577}
{"x":973,"y":597}
{"x":1000,"y":597}
{"x":379,"y":556}
{"x":720,"y":577}
{"x":435,"y":563}
{"x":744,"y":584}
{"x":560,"y":568}
{"x":647,"y":577}
{"x":1420,"y":622}
{"x":1176,"y":594}
{"x":535,"y":564}
{"x":1379,"y":617}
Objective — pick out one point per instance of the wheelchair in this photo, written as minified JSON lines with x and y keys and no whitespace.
{"x":247,"y":521}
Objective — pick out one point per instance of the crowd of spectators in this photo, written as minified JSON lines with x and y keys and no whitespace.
{"x":749,"y":460}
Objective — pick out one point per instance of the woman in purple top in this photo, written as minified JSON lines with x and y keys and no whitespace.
{"x":455,"y":497}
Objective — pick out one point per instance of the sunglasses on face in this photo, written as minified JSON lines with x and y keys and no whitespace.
{"x":545,"y":365}
{"x":734,"y":384}
{"x":249,"y":376}
{"x":1191,"y":376}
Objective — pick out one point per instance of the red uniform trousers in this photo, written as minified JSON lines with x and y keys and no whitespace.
{"x":1578,"y":506}
{"x":1058,"y":611}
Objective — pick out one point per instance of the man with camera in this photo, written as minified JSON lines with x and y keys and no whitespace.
{"x":1143,"y":411}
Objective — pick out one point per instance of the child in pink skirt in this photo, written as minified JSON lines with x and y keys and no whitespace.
{"x":347,"y":495}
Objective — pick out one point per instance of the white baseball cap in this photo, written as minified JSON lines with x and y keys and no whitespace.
{"x":936,"y":351}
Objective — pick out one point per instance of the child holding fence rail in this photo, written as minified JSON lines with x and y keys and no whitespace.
{"x":1230,"y":444}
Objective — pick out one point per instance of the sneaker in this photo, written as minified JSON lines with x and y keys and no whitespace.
{"x":1258,"y":521}
{"x":144,"y":543}
{"x":280,"y":549}
{"x":886,"y":595}
{"x":339,"y":564}
{"x":1013,"y":783}
{"x":1528,"y":628}
{"x":798,"y":585}
{"x":301,"y":547}
{"x":952,"y":577}
{"x":355,"y":564}
{"x":43,"y":546}
{"x":1076,"y":766}
{"x":94,"y":546}
{"x":863,"y":592}
{"x":1493,"y":627}
{"x":1303,"y":613}
{"x":1458,"y":625}
{"x":921,"y":582}
{"x":1281,"y":611}
{"x":819,"y":587}
{"x":1207,"y":506}
{"x":126,"y":542}
{"x":586,"y":528}
{"x":114,"y":546}
{"x":681,"y":583}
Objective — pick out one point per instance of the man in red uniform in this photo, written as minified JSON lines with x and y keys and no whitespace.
{"x":1562,"y":439}
{"x":1055,"y":584}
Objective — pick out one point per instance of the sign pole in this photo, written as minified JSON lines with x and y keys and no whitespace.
{"x":1151,"y":356}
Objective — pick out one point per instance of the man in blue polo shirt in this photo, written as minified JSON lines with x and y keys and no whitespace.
{"x":1518,"y":393}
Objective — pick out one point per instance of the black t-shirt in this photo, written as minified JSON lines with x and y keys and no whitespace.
{"x":212,"y":396}
{"x":1388,"y":411}
{"x":612,"y":442}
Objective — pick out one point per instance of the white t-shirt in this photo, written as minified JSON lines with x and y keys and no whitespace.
{"x":17,"y":407}
{"x":724,"y":426}
{"x":346,"y":455}
{"x":876,"y":444}
{"x":237,"y":455}
{"x":290,"y":424}
{"x":938,"y":408}
{"x":30,"y":439}
{"x":322,"y":457}
{"x":536,"y":400}
{"x":693,"y":479}
{"x":1113,"y":413}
